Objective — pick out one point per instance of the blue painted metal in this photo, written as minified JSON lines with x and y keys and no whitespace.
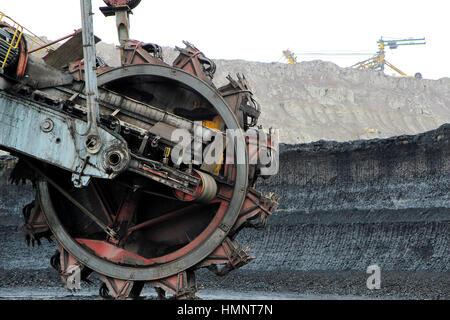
{"x":394,"y":43}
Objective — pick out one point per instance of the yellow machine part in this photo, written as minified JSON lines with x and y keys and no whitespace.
{"x":215,"y":124}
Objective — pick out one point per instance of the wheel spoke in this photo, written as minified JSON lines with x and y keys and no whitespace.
{"x":106,"y":209}
{"x":83,"y":209}
{"x":160,"y":219}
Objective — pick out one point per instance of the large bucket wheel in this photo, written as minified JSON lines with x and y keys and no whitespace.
{"x":161,"y":236}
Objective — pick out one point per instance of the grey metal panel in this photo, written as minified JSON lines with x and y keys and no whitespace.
{"x":40,"y":75}
{"x":51,"y":136}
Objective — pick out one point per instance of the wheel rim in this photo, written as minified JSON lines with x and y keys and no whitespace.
{"x":202,"y":245}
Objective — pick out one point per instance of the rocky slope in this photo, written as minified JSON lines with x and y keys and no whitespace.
{"x":318,"y":100}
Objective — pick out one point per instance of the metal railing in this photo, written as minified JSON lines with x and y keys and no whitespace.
{"x":18,"y":31}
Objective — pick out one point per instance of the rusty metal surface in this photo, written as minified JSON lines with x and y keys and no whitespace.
{"x":200,"y":247}
{"x":40,"y":75}
{"x":136,"y":52}
{"x":117,"y":3}
{"x":193,"y":61}
{"x":69,"y":51}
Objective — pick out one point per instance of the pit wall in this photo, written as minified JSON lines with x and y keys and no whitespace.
{"x":346,"y":206}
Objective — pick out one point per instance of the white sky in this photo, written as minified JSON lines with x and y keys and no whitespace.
{"x":258,"y":30}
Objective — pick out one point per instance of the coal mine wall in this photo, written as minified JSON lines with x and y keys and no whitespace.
{"x":346,"y":206}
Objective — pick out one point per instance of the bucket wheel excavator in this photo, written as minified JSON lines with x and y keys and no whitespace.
{"x":117,"y":156}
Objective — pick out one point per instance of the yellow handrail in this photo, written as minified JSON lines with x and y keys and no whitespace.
{"x":17,"y":30}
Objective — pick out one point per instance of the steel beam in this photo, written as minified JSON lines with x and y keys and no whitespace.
{"x":53,"y":137}
{"x":93,"y":141}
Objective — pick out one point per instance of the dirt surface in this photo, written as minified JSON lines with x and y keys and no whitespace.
{"x":25,"y":274}
{"x":250,"y":284}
